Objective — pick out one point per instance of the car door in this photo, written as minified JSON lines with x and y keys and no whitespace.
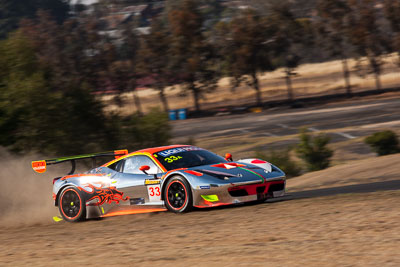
{"x":139,"y":187}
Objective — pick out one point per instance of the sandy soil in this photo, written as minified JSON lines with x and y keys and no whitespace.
{"x":357,"y":229}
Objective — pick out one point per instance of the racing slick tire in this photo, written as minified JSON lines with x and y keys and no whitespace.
{"x":72,"y":205}
{"x":178,"y":195}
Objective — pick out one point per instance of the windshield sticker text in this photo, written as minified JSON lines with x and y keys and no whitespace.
{"x":172,"y":159}
{"x":169,"y":152}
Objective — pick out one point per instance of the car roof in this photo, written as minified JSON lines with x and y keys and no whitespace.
{"x":153,"y":150}
{"x":150,"y":150}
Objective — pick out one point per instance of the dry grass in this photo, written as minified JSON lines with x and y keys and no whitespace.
{"x":312,"y":79}
{"x":367,"y":170}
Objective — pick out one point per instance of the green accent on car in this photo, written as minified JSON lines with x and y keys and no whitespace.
{"x":93,"y":155}
{"x":259,"y":175}
{"x":211,"y":198}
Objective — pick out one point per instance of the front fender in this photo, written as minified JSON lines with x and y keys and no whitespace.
{"x":168,"y":176}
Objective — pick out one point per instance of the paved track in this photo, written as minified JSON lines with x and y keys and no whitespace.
{"x":358,"y":118}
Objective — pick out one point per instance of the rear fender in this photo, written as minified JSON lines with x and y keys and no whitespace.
{"x":59,"y":192}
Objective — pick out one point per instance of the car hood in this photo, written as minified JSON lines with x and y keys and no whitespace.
{"x":235,"y":172}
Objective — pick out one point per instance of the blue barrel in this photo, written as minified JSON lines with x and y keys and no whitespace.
{"x":182,"y":114}
{"x":172,"y":115}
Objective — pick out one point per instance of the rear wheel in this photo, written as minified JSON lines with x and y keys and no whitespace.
{"x":72,"y":205}
{"x":178,"y":195}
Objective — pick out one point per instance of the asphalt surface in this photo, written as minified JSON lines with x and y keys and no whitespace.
{"x":343,"y":121}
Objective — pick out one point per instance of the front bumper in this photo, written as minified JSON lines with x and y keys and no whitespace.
{"x":226,"y":194}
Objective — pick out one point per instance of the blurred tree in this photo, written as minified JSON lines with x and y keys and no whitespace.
{"x":128,"y":70}
{"x":34,"y":116}
{"x":191,"y":56}
{"x":11,"y":12}
{"x":366,"y":36}
{"x":392,"y":11}
{"x":69,"y":53}
{"x":289,"y":33}
{"x":75,"y":55}
{"x":246,"y":49}
{"x":332,"y":25}
{"x":155,"y":60}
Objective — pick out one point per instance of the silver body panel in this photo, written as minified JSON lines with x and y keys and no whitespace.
{"x":109,"y":191}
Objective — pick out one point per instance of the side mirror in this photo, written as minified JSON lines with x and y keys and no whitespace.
{"x":228,"y":156}
{"x":144,"y":168}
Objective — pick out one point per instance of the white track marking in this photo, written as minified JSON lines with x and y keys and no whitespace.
{"x":283,"y":126}
{"x":313,"y":129}
{"x":270,"y":134}
{"x":345,"y":135}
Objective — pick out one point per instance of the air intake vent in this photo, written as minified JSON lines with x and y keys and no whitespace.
{"x":238,"y":193}
{"x":276,"y":187}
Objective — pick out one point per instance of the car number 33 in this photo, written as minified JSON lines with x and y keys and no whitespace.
{"x":154,"y":192}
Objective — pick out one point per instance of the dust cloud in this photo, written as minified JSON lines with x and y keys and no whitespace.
{"x":25,"y":196}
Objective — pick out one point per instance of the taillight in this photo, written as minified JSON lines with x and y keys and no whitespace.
{"x":55,"y":179}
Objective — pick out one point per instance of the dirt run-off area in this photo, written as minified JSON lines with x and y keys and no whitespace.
{"x":347,"y":215}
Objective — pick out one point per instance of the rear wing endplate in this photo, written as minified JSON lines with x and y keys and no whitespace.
{"x":40,"y":166}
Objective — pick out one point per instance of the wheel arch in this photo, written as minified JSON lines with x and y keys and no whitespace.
{"x":169,"y":177}
{"x":60,"y":190}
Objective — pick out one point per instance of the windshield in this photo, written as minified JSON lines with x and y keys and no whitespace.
{"x":186,"y":157}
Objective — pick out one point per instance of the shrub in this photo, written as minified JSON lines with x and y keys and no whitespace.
{"x":313,"y":150}
{"x":282,"y":160}
{"x":383,"y":143}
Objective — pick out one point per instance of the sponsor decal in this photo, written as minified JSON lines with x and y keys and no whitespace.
{"x":148,"y":181}
{"x":169,"y":152}
{"x":172,"y":159}
{"x":136,"y":201}
{"x":154,"y":192}
{"x":103,"y":195}
{"x":205,"y":187}
{"x":39,"y":166}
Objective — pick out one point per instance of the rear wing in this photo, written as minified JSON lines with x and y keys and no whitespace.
{"x":40,"y":166}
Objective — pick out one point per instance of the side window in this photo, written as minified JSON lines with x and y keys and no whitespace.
{"x":117,"y":166}
{"x":133,"y":164}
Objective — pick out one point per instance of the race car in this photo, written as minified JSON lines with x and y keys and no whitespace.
{"x":175,"y":178}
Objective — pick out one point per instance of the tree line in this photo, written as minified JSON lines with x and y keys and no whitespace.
{"x":51,"y":65}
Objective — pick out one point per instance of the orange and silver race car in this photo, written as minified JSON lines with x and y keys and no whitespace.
{"x":176,"y":178}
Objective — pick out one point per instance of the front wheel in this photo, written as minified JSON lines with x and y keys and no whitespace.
{"x":178,"y":195}
{"x":72,"y":205}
